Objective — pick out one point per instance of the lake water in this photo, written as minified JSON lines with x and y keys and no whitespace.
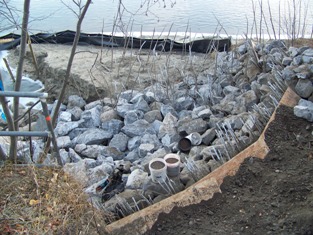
{"x":231,"y":17}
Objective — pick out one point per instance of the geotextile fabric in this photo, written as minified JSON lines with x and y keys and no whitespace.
{"x":203,"y":45}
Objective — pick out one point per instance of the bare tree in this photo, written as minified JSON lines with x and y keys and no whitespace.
{"x":82,"y":12}
{"x":12,"y":123}
{"x":8,"y":16}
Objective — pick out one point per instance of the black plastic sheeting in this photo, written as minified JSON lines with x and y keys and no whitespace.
{"x":204,"y":45}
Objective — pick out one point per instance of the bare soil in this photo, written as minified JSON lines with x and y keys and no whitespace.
{"x":157,"y":165}
{"x":171,"y":160}
{"x":270,"y":196}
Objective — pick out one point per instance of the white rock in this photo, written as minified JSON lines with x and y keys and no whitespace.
{"x":136,"y":179}
{"x":65,"y":117}
{"x":64,"y":142}
{"x":78,"y":171}
{"x":304,"y":109}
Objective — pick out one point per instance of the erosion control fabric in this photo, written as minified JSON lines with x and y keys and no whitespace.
{"x":203,"y":45}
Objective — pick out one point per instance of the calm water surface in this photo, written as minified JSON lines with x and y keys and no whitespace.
{"x":233,"y":17}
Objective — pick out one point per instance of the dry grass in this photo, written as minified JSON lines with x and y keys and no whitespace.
{"x":45,"y":201}
{"x":300,"y":42}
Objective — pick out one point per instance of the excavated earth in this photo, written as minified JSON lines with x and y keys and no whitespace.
{"x":273,"y":195}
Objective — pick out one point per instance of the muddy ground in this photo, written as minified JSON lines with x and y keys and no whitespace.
{"x":270,"y":196}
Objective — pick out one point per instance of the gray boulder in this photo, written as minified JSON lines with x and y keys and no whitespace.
{"x":93,"y":136}
{"x":65,"y":117}
{"x":132,"y":156}
{"x":132,"y":116}
{"x":93,"y":104}
{"x":287,"y":61}
{"x":65,"y":158}
{"x":150,"y":139}
{"x":141,"y":104}
{"x":155,"y":92}
{"x":304,"y":88}
{"x":128,"y":95}
{"x":297,"y":60}
{"x":136,"y":179}
{"x":169,"y":139}
{"x":78,"y":171}
{"x":205,"y":114}
{"x":108,"y":151}
{"x":195,"y":125}
{"x":134,"y":143}
{"x":113,"y":126}
{"x":243,"y":48}
{"x":137,"y":97}
{"x":208,"y":136}
{"x":91,"y":118}
{"x":97,"y":151}
{"x":89,"y":151}
{"x":304,"y":109}
{"x":166,"y":108}
{"x":63,"y":128}
{"x":50,"y":160}
{"x":80,"y":147}
{"x":123,"y":106}
{"x":119,"y":141}
{"x":184,"y":103}
{"x":274,"y":44}
{"x":153,"y":115}
{"x":137,"y":128}
{"x":76,"y":113}
{"x":293,"y":51}
{"x":76,"y":132}
{"x":64,"y":142}
{"x":247,"y":100}
{"x":75,"y":100}
{"x":231,"y":90}
{"x":144,"y":149}
{"x":162,"y":189}
{"x":288,"y":74}
{"x":168,"y":125}
{"x":108,"y":115}
{"x":74,"y":156}
{"x":308,"y":52}
{"x":99,"y":172}
{"x":307,"y":59}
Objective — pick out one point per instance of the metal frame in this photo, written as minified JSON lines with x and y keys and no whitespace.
{"x":50,"y":133}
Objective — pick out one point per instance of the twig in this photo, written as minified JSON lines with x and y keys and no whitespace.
{"x":9,"y":69}
{"x":33,"y":55}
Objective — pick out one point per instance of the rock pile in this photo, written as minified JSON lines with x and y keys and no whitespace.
{"x":107,"y":144}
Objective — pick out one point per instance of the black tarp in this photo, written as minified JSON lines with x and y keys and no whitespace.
{"x":203,"y":45}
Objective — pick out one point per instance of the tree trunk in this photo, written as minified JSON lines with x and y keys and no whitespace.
{"x":10,"y":122}
{"x":19,"y":72}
